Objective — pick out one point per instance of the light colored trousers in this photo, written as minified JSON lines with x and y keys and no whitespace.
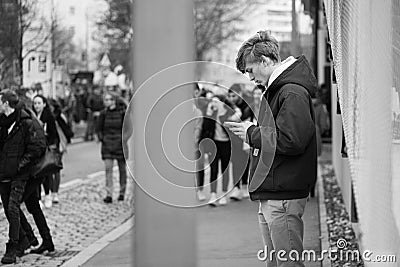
{"x":282,"y":229}
{"x":109,"y":164}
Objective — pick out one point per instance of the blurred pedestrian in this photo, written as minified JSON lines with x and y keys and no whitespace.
{"x":219,"y":110}
{"x":200,"y":107}
{"x":322,"y":125}
{"x":43,"y":112}
{"x":240,"y":155}
{"x":64,"y":138}
{"x":94,"y":105}
{"x":20,"y":145}
{"x":109,"y":132}
{"x":281,"y":189}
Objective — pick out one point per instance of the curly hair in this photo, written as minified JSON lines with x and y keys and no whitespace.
{"x":261,"y":44}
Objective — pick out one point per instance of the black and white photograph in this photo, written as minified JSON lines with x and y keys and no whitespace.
{"x":200,"y":133}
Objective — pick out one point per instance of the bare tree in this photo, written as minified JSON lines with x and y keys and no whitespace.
{"x":115,"y":32}
{"x":217,"y":21}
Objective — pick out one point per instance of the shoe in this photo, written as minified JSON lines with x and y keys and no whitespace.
{"x":56,"y":200}
{"x":213,"y":200}
{"x":10,"y":255}
{"x":46,"y":245}
{"x":223,"y":201}
{"x":245,"y":192}
{"x":107,"y":199}
{"x":23,"y":245}
{"x":32,"y":240}
{"x":201,"y":196}
{"x":121,"y":198}
{"x":236,"y":194}
{"x":47,"y":201}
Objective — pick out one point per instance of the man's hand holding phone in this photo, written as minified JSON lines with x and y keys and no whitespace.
{"x":239,"y":128}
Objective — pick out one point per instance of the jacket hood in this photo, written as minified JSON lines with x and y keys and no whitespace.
{"x":299,"y":73}
{"x":23,"y":115}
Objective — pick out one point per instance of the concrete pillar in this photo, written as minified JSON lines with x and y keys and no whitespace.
{"x":163,"y":36}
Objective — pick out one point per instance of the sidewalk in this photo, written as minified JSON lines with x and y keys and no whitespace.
{"x":229,"y":236}
{"x":118,"y":253}
{"x":79,"y":220}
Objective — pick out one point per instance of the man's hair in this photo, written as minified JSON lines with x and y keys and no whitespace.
{"x":261,"y":44}
{"x":10,"y":96}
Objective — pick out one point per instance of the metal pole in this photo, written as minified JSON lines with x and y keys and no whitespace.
{"x":164,"y":235}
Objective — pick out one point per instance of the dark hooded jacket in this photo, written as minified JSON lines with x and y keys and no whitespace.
{"x":23,"y":146}
{"x":284,"y":149}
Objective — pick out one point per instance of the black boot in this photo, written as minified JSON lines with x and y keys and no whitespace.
{"x":32,"y":239}
{"x":107,"y":199}
{"x":46,"y":245}
{"x":10,"y":255}
{"x":23,"y":245}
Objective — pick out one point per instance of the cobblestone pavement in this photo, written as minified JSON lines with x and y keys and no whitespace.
{"x":77,"y":221}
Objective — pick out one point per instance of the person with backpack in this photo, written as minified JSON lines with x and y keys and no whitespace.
{"x":109,"y":130}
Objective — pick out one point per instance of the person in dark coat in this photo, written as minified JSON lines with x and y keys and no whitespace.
{"x":218,"y":111}
{"x":94,"y":105}
{"x":239,"y":159}
{"x":109,"y":132}
{"x":42,"y":110}
{"x":20,"y":145}
{"x":31,"y":198}
{"x":283,"y":143}
{"x":200,"y":108}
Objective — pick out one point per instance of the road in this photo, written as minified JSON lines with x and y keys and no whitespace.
{"x":81,"y":160}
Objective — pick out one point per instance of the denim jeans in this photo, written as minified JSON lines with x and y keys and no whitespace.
{"x":11,"y":196}
{"x":199,"y":169}
{"x":109,"y":164}
{"x":223,"y":154}
{"x":282,"y":228}
{"x":31,"y":199}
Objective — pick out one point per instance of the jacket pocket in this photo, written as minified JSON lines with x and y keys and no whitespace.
{"x":261,"y":173}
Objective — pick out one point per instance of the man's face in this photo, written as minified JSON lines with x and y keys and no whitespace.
{"x":259,"y":72}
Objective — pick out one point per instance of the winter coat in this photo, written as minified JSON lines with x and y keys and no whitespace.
{"x":289,"y":171}
{"x":109,"y":131}
{"x":24,"y":145}
{"x":49,"y":124}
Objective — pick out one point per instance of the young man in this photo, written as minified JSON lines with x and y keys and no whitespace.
{"x":284,"y":159}
{"x":20,"y":145}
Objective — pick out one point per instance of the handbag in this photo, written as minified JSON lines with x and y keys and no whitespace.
{"x":50,"y":163}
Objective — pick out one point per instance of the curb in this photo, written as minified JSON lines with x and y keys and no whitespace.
{"x":322,"y":219}
{"x":71,"y":184}
{"x":99,"y":245}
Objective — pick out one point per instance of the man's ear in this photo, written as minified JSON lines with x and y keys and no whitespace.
{"x":267,"y":61}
